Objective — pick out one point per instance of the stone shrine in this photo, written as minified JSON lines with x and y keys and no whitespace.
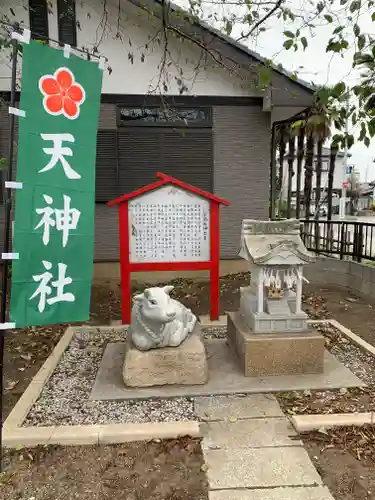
{"x":270,"y":333}
{"x":164,"y":345}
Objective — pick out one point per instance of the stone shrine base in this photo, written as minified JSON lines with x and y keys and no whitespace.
{"x":278,"y":353}
{"x":182,"y":365}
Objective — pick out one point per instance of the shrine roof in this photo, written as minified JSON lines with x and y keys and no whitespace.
{"x":166,"y":179}
{"x":263,"y":241}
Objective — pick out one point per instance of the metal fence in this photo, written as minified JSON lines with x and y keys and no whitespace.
{"x":342,"y":238}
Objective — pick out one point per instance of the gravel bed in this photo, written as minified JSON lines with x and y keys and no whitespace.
{"x":357,"y":360}
{"x":343,"y":400}
{"x":65,"y":398}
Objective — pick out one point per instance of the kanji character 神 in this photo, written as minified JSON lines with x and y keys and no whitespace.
{"x":44,"y":289}
{"x":58,"y":153}
{"x":64,"y":220}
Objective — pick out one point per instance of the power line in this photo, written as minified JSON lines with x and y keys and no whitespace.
{"x":17,"y":26}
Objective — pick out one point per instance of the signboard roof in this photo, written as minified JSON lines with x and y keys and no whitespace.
{"x":166,"y":179}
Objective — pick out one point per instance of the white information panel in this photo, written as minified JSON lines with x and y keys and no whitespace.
{"x":169,"y":225}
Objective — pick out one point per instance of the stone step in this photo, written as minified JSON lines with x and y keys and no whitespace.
{"x":249,"y":434}
{"x":314,"y":493}
{"x":260,"y":468}
{"x":224,"y":407}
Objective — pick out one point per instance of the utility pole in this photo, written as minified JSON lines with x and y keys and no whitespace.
{"x":342,"y":206}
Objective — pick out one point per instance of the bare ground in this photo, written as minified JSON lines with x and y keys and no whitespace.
{"x":122,"y":471}
{"x":166,"y":470}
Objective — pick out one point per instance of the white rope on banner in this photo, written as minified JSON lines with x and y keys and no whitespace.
{"x":16,"y":112}
{"x":67,"y":50}
{"x":10,"y":256}
{"x":22,"y":37}
{"x":7,"y":326}
{"x":13,"y":185}
{"x":101,"y":62}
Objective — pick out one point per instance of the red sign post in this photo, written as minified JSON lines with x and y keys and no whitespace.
{"x":169,"y":226}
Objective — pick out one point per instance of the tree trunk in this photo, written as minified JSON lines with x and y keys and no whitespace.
{"x":318,"y":177}
{"x":300,"y":151}
{"x":331,"y":171}
{"x":291,"y":152}
{"x":280,"y":177}
{"x":308,"y":174}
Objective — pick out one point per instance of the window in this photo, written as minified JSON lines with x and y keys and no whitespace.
{"x":172,"y":117}
{"x":66,"y":15}
{"x":38,"y":12}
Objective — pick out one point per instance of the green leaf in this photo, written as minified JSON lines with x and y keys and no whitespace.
{"x":288,"y":44}
{"x":228,"y":28}
{"x":333,"y":47}
{"x":366,"y":140}
{"x":265,"y":75}
{"x":356,"y":5}
{"x":338,"y":89}
{"x":373,"y":16}
{"x":361,"y":42}
{"x":328,"y":18}
{"x":356,"y":30}
{"x":338,"y":29}
{"x":293,"y":77}
{"x":304,"y":42}
{"x":289,"y":34}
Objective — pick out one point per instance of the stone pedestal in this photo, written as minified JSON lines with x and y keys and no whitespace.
{"x":276,"y":353}
{"x":182,"y":365}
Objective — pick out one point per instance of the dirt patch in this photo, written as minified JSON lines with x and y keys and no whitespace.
{"x":169,"y":470}
{"x":26,"y":349}
{"x":343,"y":400}
{"x":351,"y":310}
{"x":345,"y":459}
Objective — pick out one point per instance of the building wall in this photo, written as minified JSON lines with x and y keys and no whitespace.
{"x":338,"y":178}
{"x":138,"y":40}
{"x":241,"y":169}
{"x":241,"y":149}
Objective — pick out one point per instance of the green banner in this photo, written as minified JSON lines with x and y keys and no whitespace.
{"x":55,"y":209}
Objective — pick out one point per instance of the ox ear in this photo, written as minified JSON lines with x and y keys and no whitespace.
{"x":138,"y":298}
{"x":146,"y":293}
{"x":168,"y":289}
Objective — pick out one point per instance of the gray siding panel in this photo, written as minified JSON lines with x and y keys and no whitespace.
{"x":241,"y":169}
{"x":107,"y":116}
{"x":106,"y":233}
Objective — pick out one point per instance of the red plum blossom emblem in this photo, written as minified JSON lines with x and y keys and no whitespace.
{"x":62,"y":94}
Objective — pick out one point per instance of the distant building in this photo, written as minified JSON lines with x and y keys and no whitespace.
{"x":366,"y":197}
{"x":338,"y":178}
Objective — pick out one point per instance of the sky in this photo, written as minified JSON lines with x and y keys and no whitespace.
{"x":318,"y":66}
{"x":315,"y":64}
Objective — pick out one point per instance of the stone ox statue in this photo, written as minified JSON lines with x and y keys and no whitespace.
{"x":159,"y":321}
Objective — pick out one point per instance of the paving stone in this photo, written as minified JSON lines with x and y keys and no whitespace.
{"x":251,"y":406}
{"x":260,"y":468}
{"x":315,"y":493}
{"x":249,"y":433}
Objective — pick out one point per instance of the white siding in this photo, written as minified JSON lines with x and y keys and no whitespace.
{"x":137,"y":36}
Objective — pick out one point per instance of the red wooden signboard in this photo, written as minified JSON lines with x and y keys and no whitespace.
{"x":169,"y":226}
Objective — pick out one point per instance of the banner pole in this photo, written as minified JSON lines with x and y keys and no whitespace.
{"x":6,"y":239}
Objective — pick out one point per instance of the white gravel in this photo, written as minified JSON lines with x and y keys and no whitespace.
{"x":357,"y":360}
{"x":65,"y":398}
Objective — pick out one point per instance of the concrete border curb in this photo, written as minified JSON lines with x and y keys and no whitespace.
{"x":14,"y":435}
{"x":34,"y":389}
{"x":314,"y":422}
{"x":353,"y":337}
{"x":98,"y":434}
{"x":306,"y":423}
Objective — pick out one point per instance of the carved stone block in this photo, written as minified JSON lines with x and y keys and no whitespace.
{"x":182,"y":365}
{"x":275,"y":353}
